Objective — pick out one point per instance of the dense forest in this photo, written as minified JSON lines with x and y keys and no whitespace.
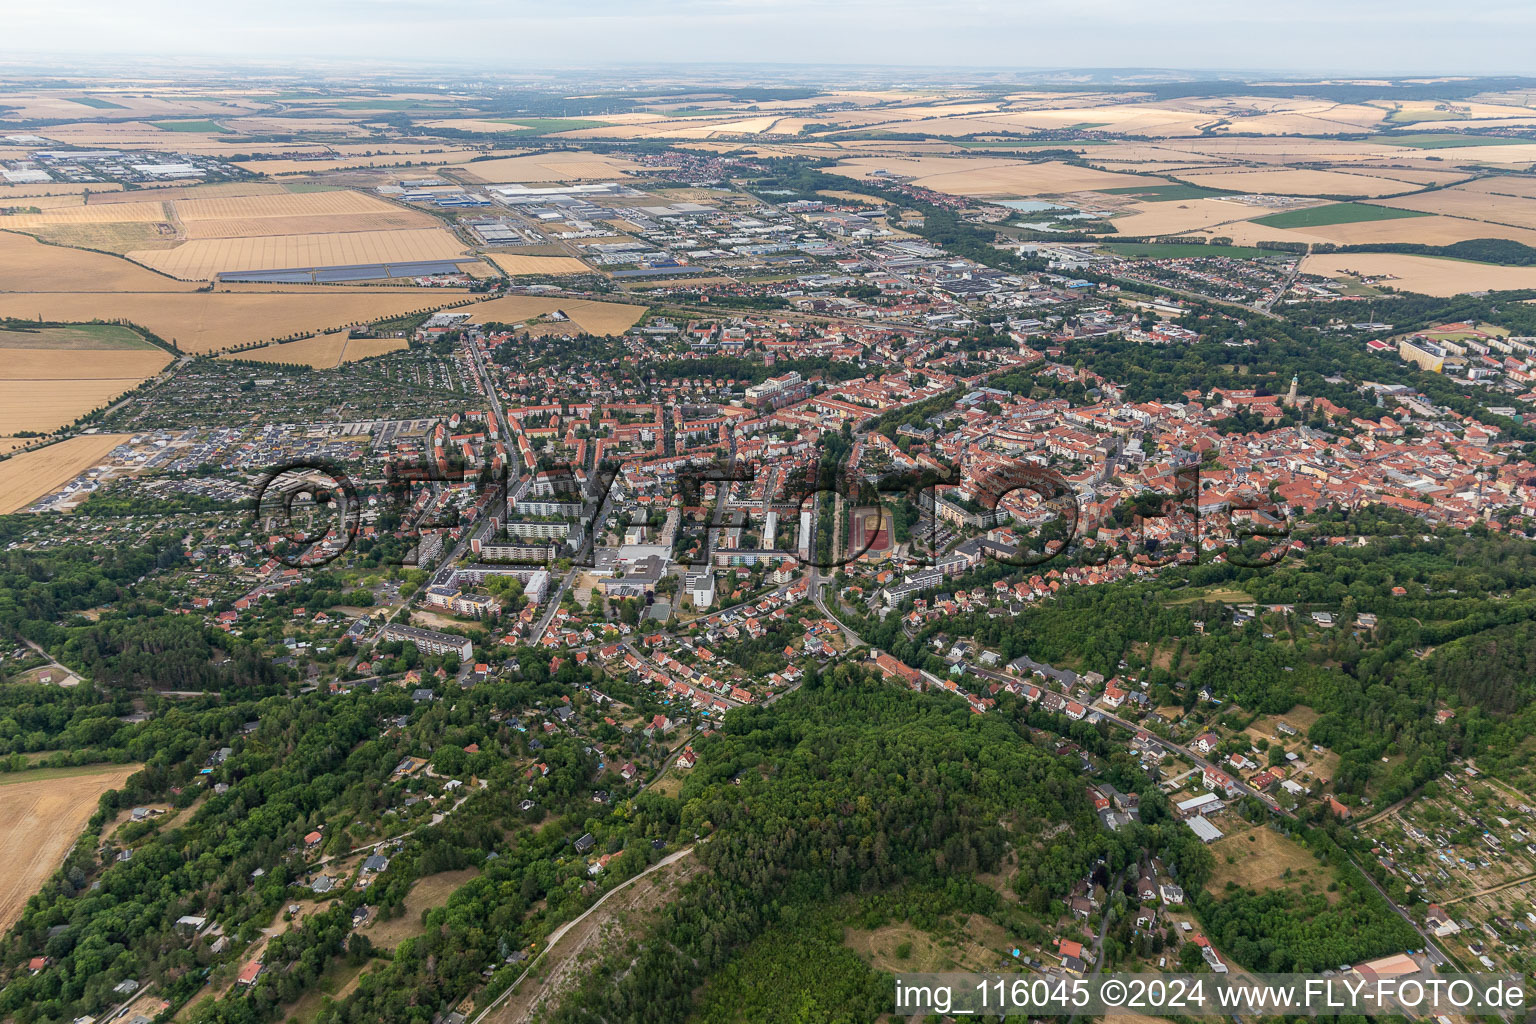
{"x":849,"y":787}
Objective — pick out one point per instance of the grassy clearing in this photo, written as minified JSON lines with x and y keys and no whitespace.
{"x":79,"y":336}
{"x":1166,"y":193}
{"x":669,"y":785}
{"x":204,"y":127}
{"x":1225,"y":595}
{"x":428,"y":892}
{"x":1417,"y":114}
{"x":1178,"y":250}
{"x":335,"y":984}
{"x":1261,"y":858}
{"x":899,"y":948}
{"x":1335,"y":213}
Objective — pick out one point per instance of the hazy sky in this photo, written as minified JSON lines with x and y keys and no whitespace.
{"x":1358,"y":37}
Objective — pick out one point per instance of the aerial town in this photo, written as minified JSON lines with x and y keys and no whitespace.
{"x":464,"y":562}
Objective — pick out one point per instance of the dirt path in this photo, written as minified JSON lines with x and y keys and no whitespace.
{"x":566,"y":943}
{"x":1506,"y":787}
{"x":1490,"y":889}
{"x":1384,"y":812}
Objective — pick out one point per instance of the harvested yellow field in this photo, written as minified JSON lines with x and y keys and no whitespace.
{"x":1295,"y":181}
{"x":293,"y":213}
{"x":57,"y":188}
{"x":114,"y":228}
{"x":587,"y":315}
{"x":44,"y":388}
{"x":48,"y":404}
{"x":1472,"y":156}
{"x":1423,"y":274}
{"x":51,"y":104}
{"x":281,"y":168}
{"x":1428,"y":230}
{"x":1413,"y":175}
{"x":140,"y":212}
{"x":201,"y":259}
{"x":136,"y":228}
{"x":1459,"y":201}
{"x":255,"y":227}
{"x":41,"y":202}
{"x":985,"y":177}
{"x":217,"y":189}
{"x":26,"y":477}
{"x":488,"y":126}
{"x":514,"y":265}
{"x":323,"y":352}
{"x":560,"y":166}
{"x":40,"y":819}
{"x":1291,"y":117}
{"x":1502,"y":185}
{"x":131,"y":135}
{"x":200,"y":322}
{"x":1177,"y":218}
{"x":739,"y":126}
{"x":27,"y":265}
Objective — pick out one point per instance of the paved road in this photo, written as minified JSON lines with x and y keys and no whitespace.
{"x":1168,"y":745}
{"x":1436,"y":956}
{"x":1290,"y":280}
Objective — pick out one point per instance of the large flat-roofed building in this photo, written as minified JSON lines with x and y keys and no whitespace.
{"x":1197,"y":805}
{"x":1423,"y":354}
{"x":1396,"y":966}
{"x":773,"y":385}
{"x":1202,"y":827}
{"x":430,"y":641}
{"x":543,"y":529}
{"x":517,"y":193}
{"x":529,"y":552}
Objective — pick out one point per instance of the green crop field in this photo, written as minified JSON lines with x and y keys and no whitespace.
{"x":204,"y":127}
{"x":1448,"y":140}
{"x":1334,"y":213}
{"x":99,"y":104}
{"x":1411,"y":116}
{"x":704,"y":113}
{"x":13,"y":334}
{"x":546,"y":125}
{"x":1166,"y":193}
